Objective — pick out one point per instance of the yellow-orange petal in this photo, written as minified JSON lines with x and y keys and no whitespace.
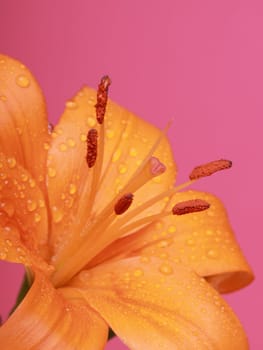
{"x":22,"y":204}
{"x":47,"y":320}
{"x":203,"y":241}
{"x":155,"y":304}
{"x":127,"y":140}
{"x":23,"y":118}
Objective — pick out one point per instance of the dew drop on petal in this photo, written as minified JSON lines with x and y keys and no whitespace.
{"x":133,"y":152}
{"x":46,"y":146}
{"x":71,"y":143}
{"x":32,"y":183}
{"x":138,"y":272}
{"x":72,"y":189}
{"x":24,"y":177}
{"x":57,"y":214}
{"x":22,"y":81}
{"x":122,"y":169}
{"x":31,"y":205}
{"x":110,"y":133}
{"x":71,"y":104}
{"x":63,"y":147}
{"x":166,"y":269}
{"x":116,"y":155}
{"x":212,"y":254}
{"x":91,"y":122}
{"x":37,"y":217}
{"x":11,"y":162}
{"x":51,"y":172}
{"x":8,"y":242}
{"x":8,"y":207}
{"x":83,"y":137}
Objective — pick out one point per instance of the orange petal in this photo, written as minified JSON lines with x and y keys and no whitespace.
{"x":23,"y":118}
{"x":155,"y":304}
{"x":127,"y":140}
{"x":47,"y":320}
{"x":204,"y":241}
{"x":22,"y":204}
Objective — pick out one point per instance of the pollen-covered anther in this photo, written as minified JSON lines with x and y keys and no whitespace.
{"x":157,"y":168}
{"x":102,"y":98}
{"x":123,"y":204}
{"x":92,"y":146}
{"x":209,"y":168}
{"x":190,"y":206}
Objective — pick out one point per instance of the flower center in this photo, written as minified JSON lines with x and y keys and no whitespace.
{"x":119,"y":218}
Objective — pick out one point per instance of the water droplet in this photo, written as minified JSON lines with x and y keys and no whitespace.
{"x":122,"y":169}
{"x":144,"y":259}
{"x":31,"y":205}
{"x":116,"y":155}
{"x":3,"y":255}
{"x":8,"y":242}
{"x":166,"y":269}
{"x":91,"y":121}
{"x":41,"y":203}
{"x":138,"y":272}
{"x":133,"y":152}
{"x":110,"y":133}
{"x":46,"y":146}
{"x":37,"y":217}
{"x":63,"y":147}
{"x":24,"y":177}
{"x":171,"y":229}
{"x":163,"y":243}
{"x":212,"y":254}
{"x":209,"y":232}
{"x":52,"y":172}
{"x":8,"y":208}
{"x":22,"y":81}
{"x":32,"y":183}
{"x":57,"y":214}
{"x":11,"y":162}
{"x":71,"y":104}
{"x":3,"y":98}
{"x":190,"y":242}
{"x":71,"y":143}
{"x":83,"y":137}
{"x":72,"y":189}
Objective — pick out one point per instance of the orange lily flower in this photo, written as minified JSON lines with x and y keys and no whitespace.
{"x":90,"y":209}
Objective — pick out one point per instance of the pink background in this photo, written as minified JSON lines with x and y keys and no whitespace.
{"x":198,"y":61}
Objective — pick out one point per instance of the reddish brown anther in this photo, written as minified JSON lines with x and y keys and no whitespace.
{"x":92,"y":145}
{"x":209,"y":168}
{"x":190,"y":206}
{"x":123,"y":204}
{"x":102,"y":98}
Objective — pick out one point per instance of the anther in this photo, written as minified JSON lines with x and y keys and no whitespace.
{"x":92,"y":145}
{"x":123,"y":204}
{"x":209,"y":168}
{"x":102,"y":98}
{"x":157,"y":168}
{"x":190,"y":206}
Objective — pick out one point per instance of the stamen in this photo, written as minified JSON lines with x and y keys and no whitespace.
{"x":190,"y":206}
{"x":92,"y":146}
{"x":123,"y":204}
{"x":209,"y":168}
{"x":157,"y":168}
{"x":102,"y":98}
